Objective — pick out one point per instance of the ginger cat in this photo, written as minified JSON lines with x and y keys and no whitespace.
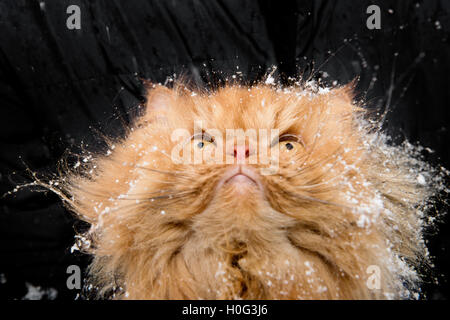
{"x":337,"y":217}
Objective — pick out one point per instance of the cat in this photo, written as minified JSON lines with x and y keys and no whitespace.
{"x":339,"y":215}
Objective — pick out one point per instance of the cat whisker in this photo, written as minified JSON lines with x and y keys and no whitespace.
{"x":163,"y":182}
{"x":147,"y":193}
{"x":109,"y":194}
{"x":318,"y":163}
{"x":125,"y":196}
{"x":342,"y":173}
{"x":311,"y":186}
{"x":138,"y":202}
{"x":166,"y":196}
{"x":312,"y":199}
{"x":172,"y":173}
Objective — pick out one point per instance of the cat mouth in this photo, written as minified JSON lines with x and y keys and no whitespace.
{"x":240,"y":176}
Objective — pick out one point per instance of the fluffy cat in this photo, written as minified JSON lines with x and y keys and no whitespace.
{"x":340,"y":218}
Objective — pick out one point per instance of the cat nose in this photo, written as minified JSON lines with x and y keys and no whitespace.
{"x":241,"y":152}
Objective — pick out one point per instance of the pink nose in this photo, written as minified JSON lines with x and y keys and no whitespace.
{"x":241,"y":152}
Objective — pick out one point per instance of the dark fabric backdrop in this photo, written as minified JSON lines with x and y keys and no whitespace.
{"x":57,"y":86}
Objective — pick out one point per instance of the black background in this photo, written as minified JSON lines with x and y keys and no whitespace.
{"x":58,"y":86}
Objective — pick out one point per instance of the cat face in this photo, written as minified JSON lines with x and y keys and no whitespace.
{"x":310,"y":137}
{"x":187,"y":206}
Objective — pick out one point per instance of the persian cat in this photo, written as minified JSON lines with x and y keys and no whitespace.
{"x":325,"y":208}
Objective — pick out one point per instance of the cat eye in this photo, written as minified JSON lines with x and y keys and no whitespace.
{"x":288,"y":142}
{"x":289,"y":146}
{"x":200,"y":145}
{"x":203,"y":140}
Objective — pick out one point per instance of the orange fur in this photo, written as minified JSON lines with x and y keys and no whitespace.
{"x":339,"y":204}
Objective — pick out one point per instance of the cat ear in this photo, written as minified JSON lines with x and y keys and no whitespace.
{"x":342,"y":99}
{"x":346,"y":93}
{"x":158,"y":98}
{"x":338,"y":112}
